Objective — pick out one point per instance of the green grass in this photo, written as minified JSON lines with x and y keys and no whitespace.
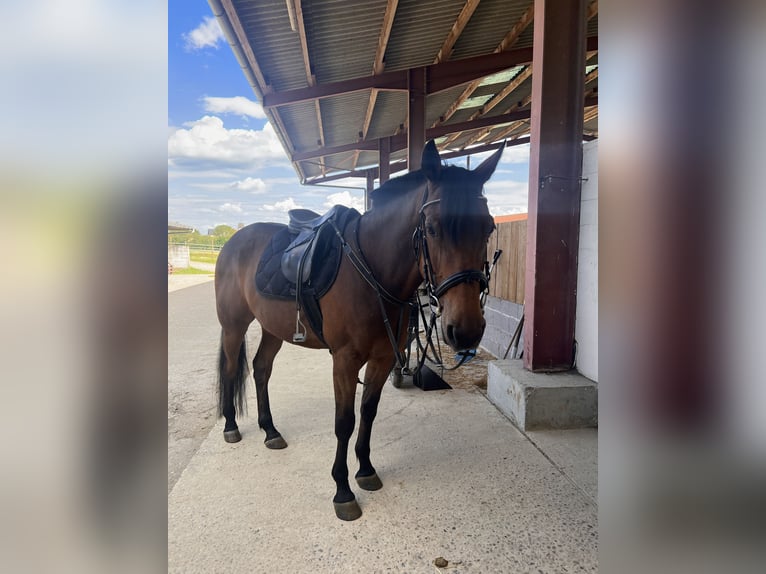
{"x":190,"y":271}
{"x":203,"y":256}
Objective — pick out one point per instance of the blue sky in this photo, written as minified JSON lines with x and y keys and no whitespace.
{"x":225,"y":164}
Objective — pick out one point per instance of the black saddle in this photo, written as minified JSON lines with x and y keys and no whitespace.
{"x":299,"y":254}
{"x":301,"y":261}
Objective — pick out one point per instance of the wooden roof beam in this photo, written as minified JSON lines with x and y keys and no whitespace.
{"x":377,"y":67}
{"x":518,"y":28}
{"x":510,"y":38}
{"x":507,"y":90}
{"x":592,"y":76}
{"x":385,"y":33}
{"x":457,"y":28}
{"x":592,"y":10}
{"x":399,"y":141}
{"x":311,"y":80}
{"x":247,"y":50}
{"x":440,"y":77}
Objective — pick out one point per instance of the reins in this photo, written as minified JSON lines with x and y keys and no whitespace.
{"x":359,"y":263}
{"x":434,"y":290}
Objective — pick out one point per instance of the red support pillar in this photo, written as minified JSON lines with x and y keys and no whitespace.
{"x":555,"y":169}
{"x":384,"y":159}
{"x":416,"y":116}
{"x":368,"y":190}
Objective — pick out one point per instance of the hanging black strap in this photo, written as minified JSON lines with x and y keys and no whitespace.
{"x":360,"y":265}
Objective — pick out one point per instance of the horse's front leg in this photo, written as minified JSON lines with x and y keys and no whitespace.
{"x":374,"y":379}
{"x":345,"y":377}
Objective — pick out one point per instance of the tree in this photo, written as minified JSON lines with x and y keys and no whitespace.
{"x":222,"y":233}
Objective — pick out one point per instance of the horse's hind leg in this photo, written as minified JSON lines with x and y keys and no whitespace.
{"x":374,"y":379}
{"x":262,"y":363}
{"x":232,"y":375}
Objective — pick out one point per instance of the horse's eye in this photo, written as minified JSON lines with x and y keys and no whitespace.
{"x":431,"y":230}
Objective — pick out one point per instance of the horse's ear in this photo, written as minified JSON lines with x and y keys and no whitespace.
{"x":487,"y":167}
{"x":431,"y":163}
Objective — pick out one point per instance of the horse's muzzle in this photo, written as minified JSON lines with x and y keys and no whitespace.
{"x":462,"y":338}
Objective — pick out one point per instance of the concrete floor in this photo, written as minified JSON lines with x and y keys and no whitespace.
{"x":460,"y":482}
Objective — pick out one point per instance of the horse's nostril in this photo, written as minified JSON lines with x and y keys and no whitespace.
{"x":450,"y":333}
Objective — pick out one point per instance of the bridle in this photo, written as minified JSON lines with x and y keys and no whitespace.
{"x":436,"y":290}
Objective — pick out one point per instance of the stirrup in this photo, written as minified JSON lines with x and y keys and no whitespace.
{"x":300,"y":329}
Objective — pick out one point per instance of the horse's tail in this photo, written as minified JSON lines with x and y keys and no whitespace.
{"x":236,"y":385}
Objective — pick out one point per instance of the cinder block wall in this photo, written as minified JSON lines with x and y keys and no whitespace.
{"x":502,"y":317}
{"x":586,"y":323}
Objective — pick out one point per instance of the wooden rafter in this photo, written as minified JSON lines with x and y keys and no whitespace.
{"x":502,"y":94}
{"x":311,"y":79}
{"x":239,"y":31}
{"x":496,"y":99}
{"x":457,"y":28}
{"x":508,"y":41}
{"x":590,"y":114}
{"x":592,"y":9}
{"x":265,"y":88}
{"x":478,"y":136}
{"x":377,"y":68}
{"x":385,"y":33}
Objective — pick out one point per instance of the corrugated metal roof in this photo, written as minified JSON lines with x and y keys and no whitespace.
{"x":342,"y":39}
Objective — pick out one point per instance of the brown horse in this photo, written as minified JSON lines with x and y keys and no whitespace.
{"x":431,"y":224}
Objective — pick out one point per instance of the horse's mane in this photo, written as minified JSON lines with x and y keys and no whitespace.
{"x":461,"y":213}
{"x":396,"y":187}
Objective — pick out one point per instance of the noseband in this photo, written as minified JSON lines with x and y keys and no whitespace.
{"x":436,"y":290}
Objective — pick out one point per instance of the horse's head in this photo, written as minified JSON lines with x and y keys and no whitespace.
{"x":451,"y":240}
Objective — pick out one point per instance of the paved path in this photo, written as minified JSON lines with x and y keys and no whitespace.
{"x":193,"y":335}
{"x":460,"y":481}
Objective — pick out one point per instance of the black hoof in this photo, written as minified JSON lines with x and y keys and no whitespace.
{"x":232,"y":435}
{"x":347,"y":510}
{"x":371,"y":482}
{"x":275,"y":443}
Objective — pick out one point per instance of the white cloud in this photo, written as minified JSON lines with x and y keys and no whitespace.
{"x":231,"y":208}
{"x":251,"y":184}
{"x":283,"y":206}
{"x":345,"y":198}
{"x":207,"y":34}
{"x":208,"y":140}
{"x":512,"y":154}
{"x":505,"y":196}
{"x":238,"y":105}
{"x":516,"y":154}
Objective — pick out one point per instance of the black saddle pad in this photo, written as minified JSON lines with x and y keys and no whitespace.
{"x":269,"y":279}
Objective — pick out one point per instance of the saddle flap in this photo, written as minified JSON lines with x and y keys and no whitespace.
{"x":298,"y":255}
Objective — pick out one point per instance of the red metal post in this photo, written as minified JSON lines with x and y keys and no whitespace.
{"x":555,"y":169}
{"x":384,"y":159}
{"x":416,"y":115}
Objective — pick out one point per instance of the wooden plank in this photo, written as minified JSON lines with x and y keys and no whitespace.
{"x":508,"y":276}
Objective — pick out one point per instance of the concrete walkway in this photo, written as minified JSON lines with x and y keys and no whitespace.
{"x":460,"y":482}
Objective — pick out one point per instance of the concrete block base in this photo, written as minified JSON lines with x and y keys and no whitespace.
{"x":537,"y":401}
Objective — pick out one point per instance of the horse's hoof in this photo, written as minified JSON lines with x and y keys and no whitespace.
{"x":347,"y":510}
{"x":275,"y":443}
{"x":371,"y":482}
{"x":232,"y":435}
